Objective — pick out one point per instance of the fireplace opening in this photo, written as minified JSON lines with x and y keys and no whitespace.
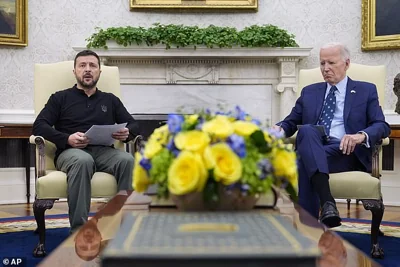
{"x":149,"y":122}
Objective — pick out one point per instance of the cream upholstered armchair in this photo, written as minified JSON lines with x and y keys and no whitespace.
{"x":362,"y":186}
{"x":52,"y":184}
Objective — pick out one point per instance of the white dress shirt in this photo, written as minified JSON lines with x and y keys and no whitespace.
{"x":337,"y":126}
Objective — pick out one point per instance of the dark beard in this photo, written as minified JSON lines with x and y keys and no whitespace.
{"x":85,"y":85}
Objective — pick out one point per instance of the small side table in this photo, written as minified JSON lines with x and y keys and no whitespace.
{"x":21,"y":131}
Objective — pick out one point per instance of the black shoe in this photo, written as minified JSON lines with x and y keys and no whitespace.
{"x":330,"y":215}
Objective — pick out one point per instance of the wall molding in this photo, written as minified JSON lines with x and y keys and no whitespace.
{"x":17,"y":116}
{"x":13,"y":185}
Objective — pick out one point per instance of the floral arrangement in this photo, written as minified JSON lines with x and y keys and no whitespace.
{"x":199,"y":152}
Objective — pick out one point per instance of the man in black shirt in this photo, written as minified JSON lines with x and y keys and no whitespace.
{"x":63,"y":121}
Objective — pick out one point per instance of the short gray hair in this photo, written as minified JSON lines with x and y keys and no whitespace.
{"x":344,"y":51}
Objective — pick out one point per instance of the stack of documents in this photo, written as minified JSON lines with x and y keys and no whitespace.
{"x":102,"y":134}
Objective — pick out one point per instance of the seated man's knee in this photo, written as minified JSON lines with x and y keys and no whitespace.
{"x":307,"y":130}
{"x":124,"y":157}
{"x":82,"y":159}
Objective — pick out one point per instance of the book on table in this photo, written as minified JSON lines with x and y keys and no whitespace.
{"x":209,"y":239}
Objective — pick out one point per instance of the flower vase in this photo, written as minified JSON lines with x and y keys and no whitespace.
{"x":228,"y":200}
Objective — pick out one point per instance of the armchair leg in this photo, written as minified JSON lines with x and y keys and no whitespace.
{"x":377,"y":208}
{"x":39,"y":208}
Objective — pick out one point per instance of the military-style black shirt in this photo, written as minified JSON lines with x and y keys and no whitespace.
{"x":71,"y":111}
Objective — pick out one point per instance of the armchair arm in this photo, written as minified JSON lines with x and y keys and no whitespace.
{"x":385,"y":141}
{"x":40,"y":154}
{"x":375,"y":153}
{"x":137,"y":143}
{"x":376,"y":157}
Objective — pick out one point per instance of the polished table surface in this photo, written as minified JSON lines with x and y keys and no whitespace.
{"x":84,"y":247}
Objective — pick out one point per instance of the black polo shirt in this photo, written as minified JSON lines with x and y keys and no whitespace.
{"x":71,"y":110}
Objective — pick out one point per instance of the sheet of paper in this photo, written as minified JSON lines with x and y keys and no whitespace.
{"x":102,"y":134}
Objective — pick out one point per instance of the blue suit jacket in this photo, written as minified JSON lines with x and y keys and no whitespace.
{"x":362,"y":112}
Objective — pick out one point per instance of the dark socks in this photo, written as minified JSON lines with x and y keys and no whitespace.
{"x":320,"y":184}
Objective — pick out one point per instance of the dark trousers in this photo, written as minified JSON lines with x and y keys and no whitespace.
{"x":316,"y":154}
{"x":80,"y":165}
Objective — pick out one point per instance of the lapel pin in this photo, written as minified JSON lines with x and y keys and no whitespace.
{"x":353,"y":91}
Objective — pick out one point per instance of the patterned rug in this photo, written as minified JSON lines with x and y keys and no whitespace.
{"x":17,"y":238}
{"x":28,"y":223}
{"x":364,"y":227}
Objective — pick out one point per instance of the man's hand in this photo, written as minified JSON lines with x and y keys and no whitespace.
{"x":78,"y":140}
{"x":121,"y":135}
{"x":349,"y":142}
{"x":278,"y":129}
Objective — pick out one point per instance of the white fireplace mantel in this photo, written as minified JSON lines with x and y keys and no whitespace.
{"x":263,"y":80}
{"x":159,"y":51}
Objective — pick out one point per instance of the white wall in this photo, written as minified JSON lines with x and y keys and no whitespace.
{"x":56,"y":26}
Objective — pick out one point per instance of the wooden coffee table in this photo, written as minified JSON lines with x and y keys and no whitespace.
{"x":88,"y":242}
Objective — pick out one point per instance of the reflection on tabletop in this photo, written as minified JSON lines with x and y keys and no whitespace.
{"x":334,"y":252}
{"x":89,"y":239}
{"x":84,"y":247}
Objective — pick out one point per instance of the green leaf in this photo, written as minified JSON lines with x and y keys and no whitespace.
{"x":258,"y":139}
{"x":180,"y":36}
{"x":210,"y":193}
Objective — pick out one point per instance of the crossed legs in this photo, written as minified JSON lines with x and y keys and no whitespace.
{"x":318,"y":158}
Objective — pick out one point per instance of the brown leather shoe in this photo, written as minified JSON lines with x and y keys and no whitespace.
{"x":330,"y":215}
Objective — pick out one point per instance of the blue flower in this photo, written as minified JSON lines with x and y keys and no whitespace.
{"x":171,"y":147}
{"x":265,"y":167}
{"x":240,"y":114}
{"x":244,"y":188}
{"x":200,"y":123}
{"x":231,"y":187}
{"x":256,"y":122}
{"x":237,"y":144}
{"x":145,"y":163}
{"x":175,"y":123}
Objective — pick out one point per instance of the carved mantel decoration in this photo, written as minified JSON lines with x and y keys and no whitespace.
{"x":263,"y":78}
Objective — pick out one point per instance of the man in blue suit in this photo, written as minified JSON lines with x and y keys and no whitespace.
{"x":350,"y":122}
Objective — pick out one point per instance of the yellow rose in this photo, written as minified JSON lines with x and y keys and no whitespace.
{"x":186,"y":174}
{"x":151,"y":149}
{"x":285,"y":165}
{"x":209,"y":160}
{"x":228,"y":167}
{"x":191,"y":119}
{"x":219,"y":127}
{"x":140,"y":177}
{"x":160,"y":135}
{"x":244,"y":128}
{"x":194,"y":141}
